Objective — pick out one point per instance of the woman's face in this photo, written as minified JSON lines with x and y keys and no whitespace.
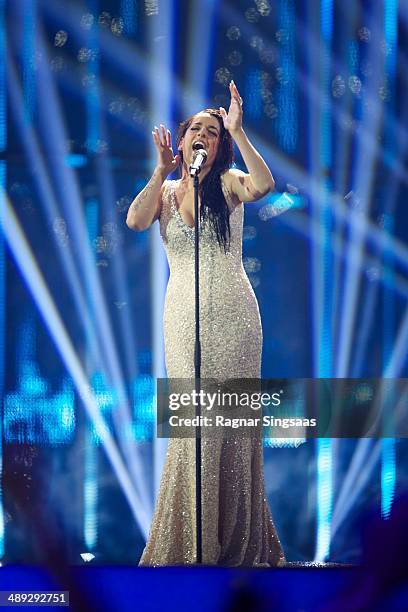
{"x":206,"y":129}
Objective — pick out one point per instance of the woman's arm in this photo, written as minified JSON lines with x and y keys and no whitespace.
{"x":146,"y":206}
{"x":259,"y":181}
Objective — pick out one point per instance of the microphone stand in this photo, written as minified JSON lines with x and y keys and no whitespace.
{"x":197,"y":372}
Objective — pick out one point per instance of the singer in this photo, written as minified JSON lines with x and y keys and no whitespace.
{"x":236,"y":519}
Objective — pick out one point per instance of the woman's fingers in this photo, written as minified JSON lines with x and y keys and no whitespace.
{"x":235,"y":88}
{"x":234,"y":92}
{"x":162,"y":141}
{"x":163,"y":135}
{"x":155,"y":135}
{"x":160,"y":136}
{"x":223,"y":112}
{"x":156,"y":138}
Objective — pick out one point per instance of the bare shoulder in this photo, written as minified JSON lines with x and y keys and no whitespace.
{"x":240,"y":185}
{"x":228,"y":178}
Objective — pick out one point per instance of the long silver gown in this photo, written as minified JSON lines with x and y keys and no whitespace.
{"x":237,"y":527}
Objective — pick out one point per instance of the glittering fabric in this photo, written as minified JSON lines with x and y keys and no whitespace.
{"x":237,"y":523}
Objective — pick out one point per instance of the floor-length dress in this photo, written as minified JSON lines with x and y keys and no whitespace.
{"x":237,"y":527}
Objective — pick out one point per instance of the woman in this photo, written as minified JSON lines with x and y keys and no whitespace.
{"x":237,"y":527}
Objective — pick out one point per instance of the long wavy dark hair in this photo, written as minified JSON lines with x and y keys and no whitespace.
{"x":213,"y":202}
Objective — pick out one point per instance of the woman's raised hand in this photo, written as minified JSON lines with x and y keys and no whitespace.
{"x":233,"y":119}
{"x":167,"y":162}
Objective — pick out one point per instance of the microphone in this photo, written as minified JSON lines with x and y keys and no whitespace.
{"x":199,"y":157}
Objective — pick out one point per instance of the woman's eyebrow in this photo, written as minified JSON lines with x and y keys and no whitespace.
{"x":208,"y":126}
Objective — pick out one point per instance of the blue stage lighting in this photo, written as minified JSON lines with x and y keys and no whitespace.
{"x":3,"y":143}
{"x":324,"y":282}
{"x":324,"y":498}
{"x":30,"y":57}
{"x":128,"y":12}
{"x":388,"y":475}
{"x":252,"y":94}
{"x":90,"y":495}
{"x":34,"y":413}
{"x":287,"y":118}
{"x":388,"y":451}
{"x":144,"y":407}
{"x":74,"y":160}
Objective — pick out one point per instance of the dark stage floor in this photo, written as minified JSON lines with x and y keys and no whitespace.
{"x":297,"y":586}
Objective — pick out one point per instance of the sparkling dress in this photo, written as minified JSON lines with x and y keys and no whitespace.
{"x":237,"y":527}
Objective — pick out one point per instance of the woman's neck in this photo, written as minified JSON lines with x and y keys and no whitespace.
{"x":187,"y":180}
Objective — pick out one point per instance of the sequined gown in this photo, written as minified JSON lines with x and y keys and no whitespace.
{"x":237,"y":524}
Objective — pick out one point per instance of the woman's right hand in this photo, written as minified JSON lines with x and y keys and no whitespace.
{"x":167,"y":162}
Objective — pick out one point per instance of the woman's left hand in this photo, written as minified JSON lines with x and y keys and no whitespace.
{"x":233,"y":120}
